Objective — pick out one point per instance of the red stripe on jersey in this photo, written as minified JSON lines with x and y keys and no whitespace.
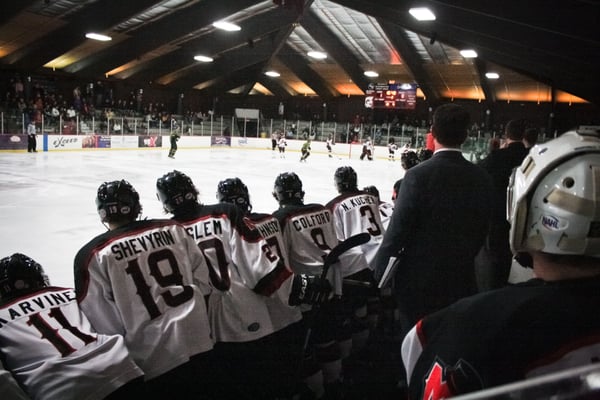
{"x":421,"y":333}
{"x":273,"y":280}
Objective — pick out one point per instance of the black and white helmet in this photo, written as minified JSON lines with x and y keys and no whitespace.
{"x":20,"y":275}
{"x":233,"y":190}
{"x":288,"y":188}
{"x":345,"y":179}
{"x":118,"y":201}
{"x":176,"y":191}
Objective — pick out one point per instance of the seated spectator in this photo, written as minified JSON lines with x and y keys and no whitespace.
{"x":547,"y":324}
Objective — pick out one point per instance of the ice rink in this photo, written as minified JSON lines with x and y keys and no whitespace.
{"x":47,"y":199}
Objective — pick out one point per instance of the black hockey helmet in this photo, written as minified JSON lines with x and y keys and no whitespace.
{"x":233,"y":190}
{"x":288,"y":188}
{"x":20,"y":275}
{"x":118,"y":201}
{"x":372,"y":190}
{"x":345,"y":179}
{"x":409,"y":159}
{"x":176,"y":191}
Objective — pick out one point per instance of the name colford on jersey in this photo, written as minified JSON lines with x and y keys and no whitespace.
{"x":132,"y":246}
{"x":358,"y":201}
{"x":36,"y":304}
{"x":204,"y":229}
{"x":312,"y":220}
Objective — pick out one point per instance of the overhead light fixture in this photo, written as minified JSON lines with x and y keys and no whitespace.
{"x":422,"y":14}
{"x":492,"y":75}
{"x":319,"y":55}
{"x":226,"y":26}
{"x":468,"y":53}
{"x":98,"y":36}
{"x":202,"y":58}
{"x":371,"y":74}
{"x":273,"y":74}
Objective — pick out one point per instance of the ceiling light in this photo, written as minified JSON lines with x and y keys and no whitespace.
{"x":468,"y":53}
{"x":98,"y":36}
{"x":371,"y":74}
{"x":226,"y":26}
{"x":422,"y":14}
{"x":273,"y":74}
{"x":202,"y":58}
{"x":492,"y":75}
{"x":317,"y":54}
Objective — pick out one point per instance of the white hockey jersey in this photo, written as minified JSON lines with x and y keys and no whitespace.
{"x":247,"y":269}
{"x":385,"y":209}
{"x":53,"y":352}
{"x":309,"y":235}
{"x":147,"y":281}
{"x":355,"y":213}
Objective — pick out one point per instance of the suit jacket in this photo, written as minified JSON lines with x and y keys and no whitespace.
{"x":441,"y":217}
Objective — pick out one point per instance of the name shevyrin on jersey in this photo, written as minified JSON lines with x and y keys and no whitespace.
{"x":133,"y":246}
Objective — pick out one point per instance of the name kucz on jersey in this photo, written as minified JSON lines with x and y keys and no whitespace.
{"x":357,"y":202}
{"x":133,"y":246}
{"x":35,"y":304}
{"x":311,"y":221}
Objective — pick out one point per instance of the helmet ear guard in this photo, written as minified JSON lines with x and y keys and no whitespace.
{"x":553,"y":198}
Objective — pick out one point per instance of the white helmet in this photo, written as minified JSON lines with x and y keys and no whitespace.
{"x":553,"y":198}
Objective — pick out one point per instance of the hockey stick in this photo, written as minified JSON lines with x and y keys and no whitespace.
{"x":328,"y":260}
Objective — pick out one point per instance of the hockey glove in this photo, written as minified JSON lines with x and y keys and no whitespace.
{"x":309,"y":289}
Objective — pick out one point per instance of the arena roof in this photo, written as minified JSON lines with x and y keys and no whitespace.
{"x":542,"y":50}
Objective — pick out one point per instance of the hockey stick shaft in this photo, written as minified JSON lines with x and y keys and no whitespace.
{"x":331,"y":258}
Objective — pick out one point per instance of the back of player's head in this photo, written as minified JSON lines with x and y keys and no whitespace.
{"x":515,"y":128}
{"x":372,"y":190}
{"x":20,"y":275}
{"x":450,"y":123}
{"x":409,"y":159}
{"x":345,"y":179}
{"x":118,"y":201}
{"x":552,"y":198}
{"x":288,"y":189}
{"x":176,"y":191}
{"x":531,"y":136}
{"x":396,"y":189}
{"x":233,"y":190}
{"x":424,"y":154}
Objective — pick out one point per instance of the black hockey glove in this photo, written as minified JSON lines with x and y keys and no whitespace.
{"x":309,"y":289}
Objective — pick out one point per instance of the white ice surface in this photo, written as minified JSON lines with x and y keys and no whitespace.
{"x":47,"y":207}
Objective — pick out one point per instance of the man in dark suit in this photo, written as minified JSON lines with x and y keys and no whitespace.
{"x":440,"y":219}
{"x":493,"y":263}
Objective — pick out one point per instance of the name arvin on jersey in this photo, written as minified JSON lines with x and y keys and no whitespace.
{"x":36,"y":304}
{"x":132,"y":246}
{"x":357,"y":202}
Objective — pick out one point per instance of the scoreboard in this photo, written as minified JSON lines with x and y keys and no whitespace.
{"x":391,"y":95}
